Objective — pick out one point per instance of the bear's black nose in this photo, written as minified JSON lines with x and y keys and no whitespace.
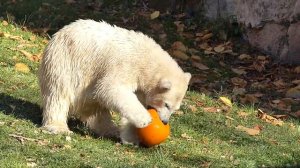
{"x":165,"y":122}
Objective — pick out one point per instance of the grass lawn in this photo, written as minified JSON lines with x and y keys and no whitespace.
{"x":204,"y":133}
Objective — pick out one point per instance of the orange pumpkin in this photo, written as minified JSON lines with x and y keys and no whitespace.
{"x":155,"y":133}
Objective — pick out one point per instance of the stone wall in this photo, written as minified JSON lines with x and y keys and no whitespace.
{"x":273,"y":26}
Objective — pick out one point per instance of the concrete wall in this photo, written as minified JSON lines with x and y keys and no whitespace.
{"x":273,"y":26}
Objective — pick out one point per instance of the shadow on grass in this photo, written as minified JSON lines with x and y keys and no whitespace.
{"x":21,"y":109}
{"x":47,"y":16}
{"x":26,"y":110}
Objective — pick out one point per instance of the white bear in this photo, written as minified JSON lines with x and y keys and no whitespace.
{"x":91,"y":68}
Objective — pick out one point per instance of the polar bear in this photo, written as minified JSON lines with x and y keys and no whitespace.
{"x":90,"y":68}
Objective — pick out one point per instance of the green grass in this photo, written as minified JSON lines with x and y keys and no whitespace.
{"x":211,"y":139}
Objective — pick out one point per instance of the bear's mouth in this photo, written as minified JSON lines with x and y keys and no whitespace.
{"x":150,"y":107}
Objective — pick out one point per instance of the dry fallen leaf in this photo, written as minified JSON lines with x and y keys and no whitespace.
{"x":238,"y":91}
{"x":204,"y":46}
{"x":249,"y":98}
{"x":259,"y":65}
{"x":296,"y":82}
{"x":226,"y":101}
{"x":243,"y":114}
{"x":193,"y":108}
{"x":27,"y":55}
{"x":238,"y":82}
{"x":207,"y":36}
{"x":70,"y":2}
{"x":296,"y":114}
{"x":68,"y":138}
{"x":279,"y":83}
{"x":219,"y":49}
{"x":199,"y":66}
{"x":212,"y":109}
{"x":178,"y":45}
{"x":238,"y":71}
{"x":154,"y":15}
{"x":178,"y":112}
{"x":293,"y":92}
{"x":31,"y":164}
{"x":185,"y":136}
{"x":4,"y":23}
{"x":181,"y":55}
{"x":269,"y":119}
{"x":297,"y":69}
{"x":21,"y":67}
{"x":196,"y":58}
{"x":250,"y":131}
{"x":244,"y":57}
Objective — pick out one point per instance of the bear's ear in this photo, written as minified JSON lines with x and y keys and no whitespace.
{"x":164,"y":85}
{"x":187,"y":77}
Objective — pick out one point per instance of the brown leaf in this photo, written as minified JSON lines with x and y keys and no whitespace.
{"x":186,"y":136}
{"x":207,"y":36}
{"x":244,"y":57}
{"x":259,"y":65}
{"x":243,"y":114}
{"x":238,"y":82}
{"x":196,"y":58}
{"x":199,"y":66}
{"x":238,"y":91}
{"x":45,"y":41}
{"x":261,"y":57}
{"x":249,"y":98}
{"x":70,"y":2}
{"x":279,"y":83}
{"x":293,"y":92}
{"x":178,"y":112}
{"x":4,"y":23}
{"x":18,"y":38}
{"x":208,"y":52}
{"x":180,"y":26}
{"x":197,"y":79}
{"x":239,"y":71}
{"x":32,"y":38}
{"x":296,"y":114}
{"x":212,"y":109}
{"x":154,"y":15}
{"x":181,"y":55}
{"x":178,"y":45}
{"x":250,"y":131}
{"x":269,"y":119}
{"x":21,"y":67}
{"x":297,"y":82}
{"x":199,"y":34}
{"x":193,"y":51}
{"x":27,"y":55}
{"x":31,"y":164}
{"x":193,"y":108}
{"x":219,"y":48}
{"x":230,"y":118}
{"x":297,"y":69}
{"x":204,"y":46}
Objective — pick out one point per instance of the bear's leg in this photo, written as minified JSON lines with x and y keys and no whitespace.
{"x":123,"y":100}
{"x":128,"y":133}
{"x":55,"y":114}
{"x":101,"y":123}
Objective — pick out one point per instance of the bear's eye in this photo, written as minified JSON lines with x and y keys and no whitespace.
{"x":167,"y":106}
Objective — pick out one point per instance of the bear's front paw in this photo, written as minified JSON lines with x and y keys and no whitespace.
{"x":142,"y":120}
{"x":57,"y":129}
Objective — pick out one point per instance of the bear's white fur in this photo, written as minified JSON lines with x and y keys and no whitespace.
{"x":90,"y":68}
